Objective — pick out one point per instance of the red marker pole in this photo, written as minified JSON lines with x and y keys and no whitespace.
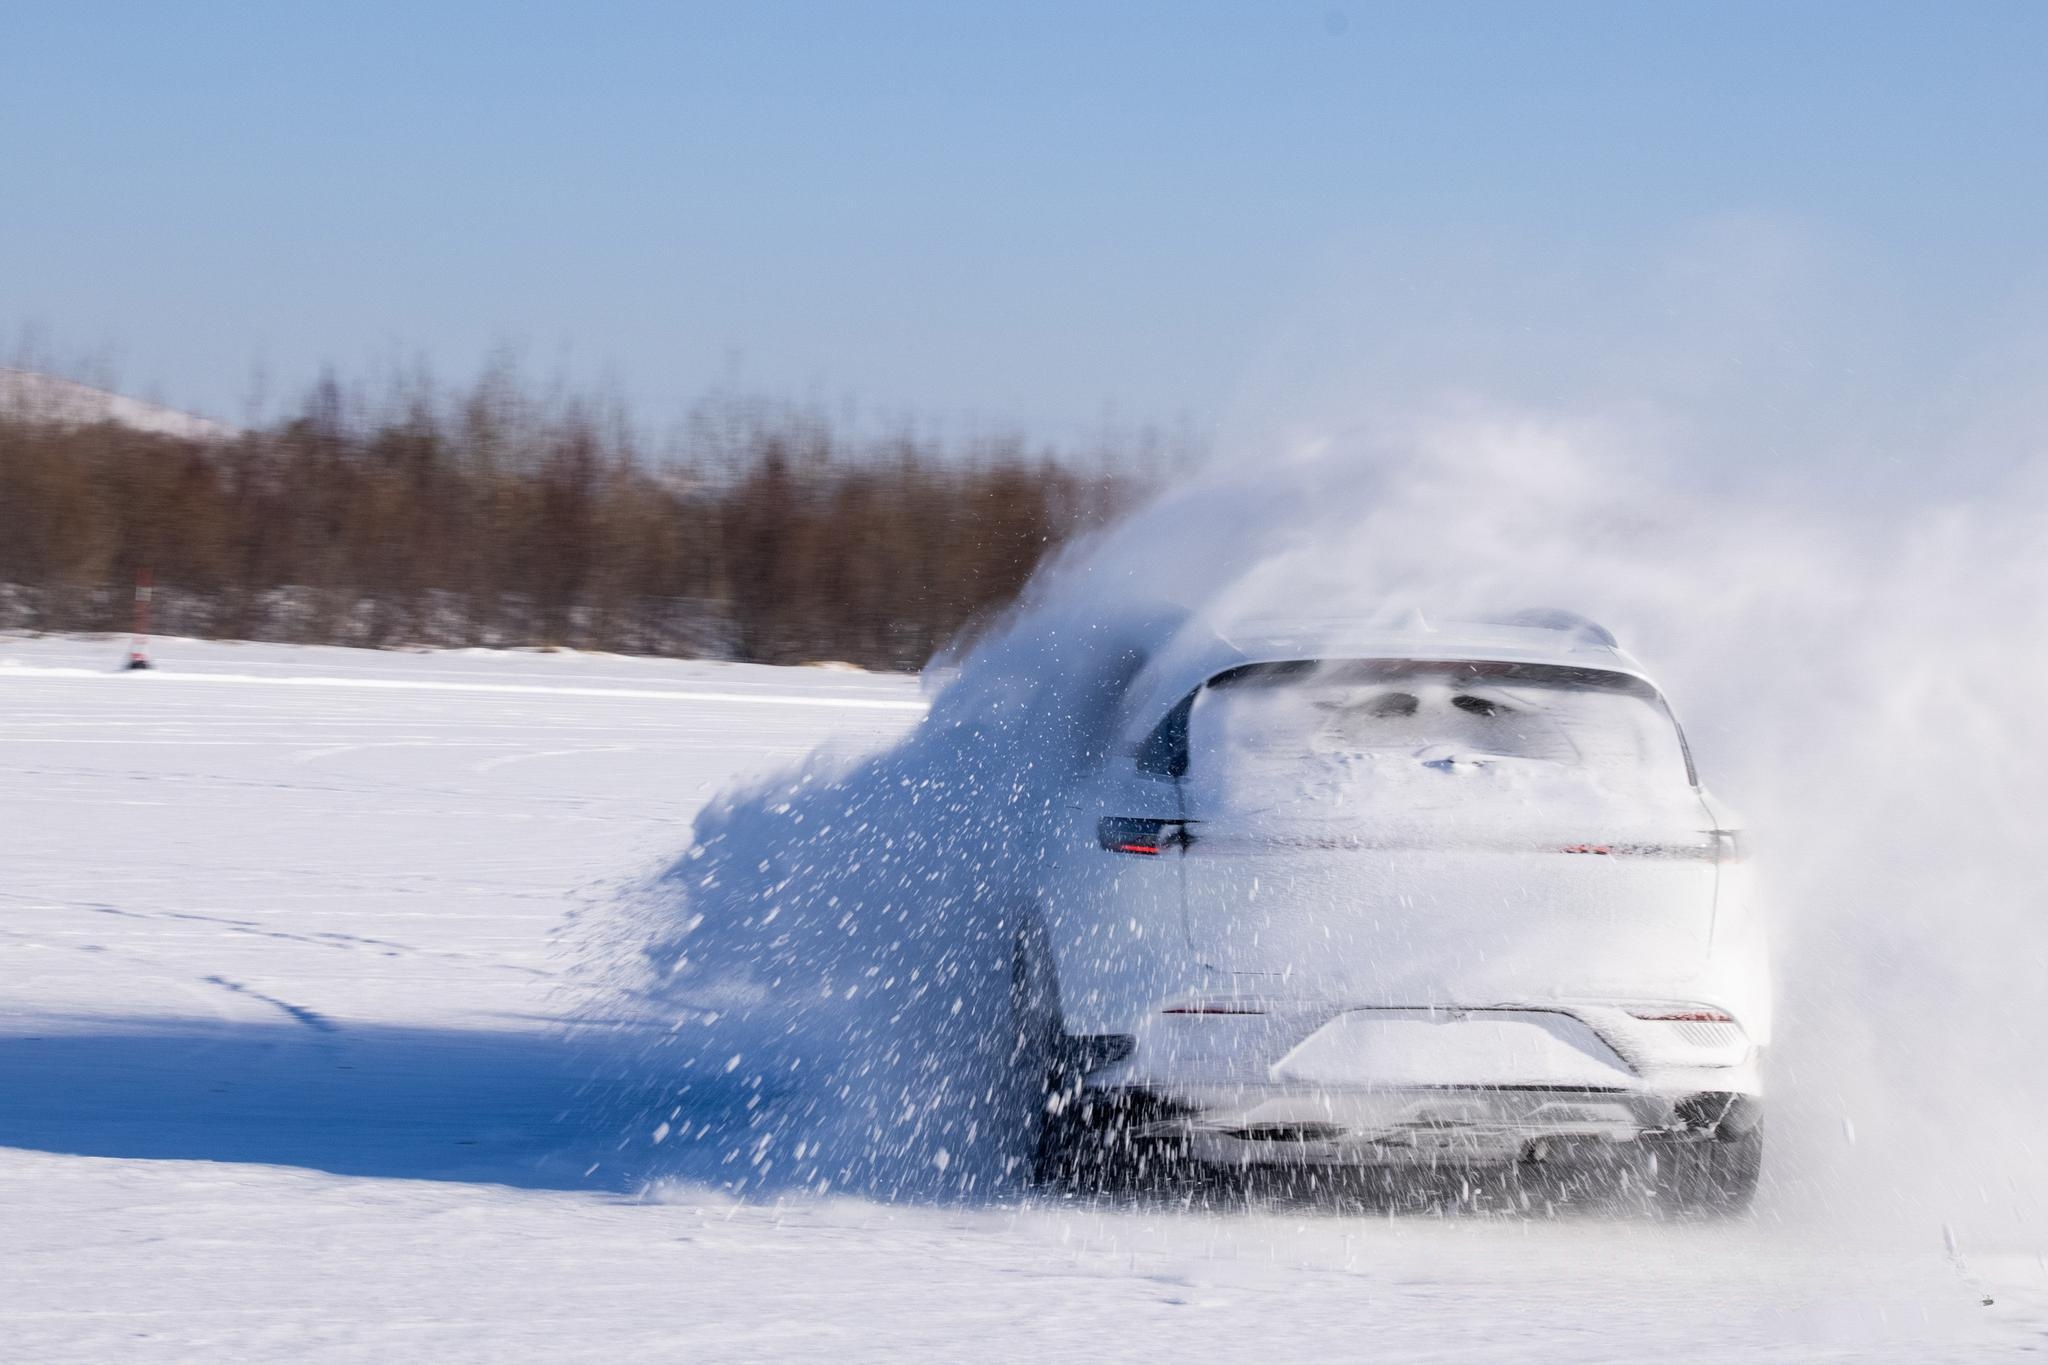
{"x":138,"y":655}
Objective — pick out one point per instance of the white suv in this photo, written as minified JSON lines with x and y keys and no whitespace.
{"x":1398,"y":896}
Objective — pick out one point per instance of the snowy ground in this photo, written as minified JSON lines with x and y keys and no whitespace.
{"x":284,"y":1075}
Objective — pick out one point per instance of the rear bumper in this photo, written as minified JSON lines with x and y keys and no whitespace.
{"x":1410,"y":1127}
{"x":1269,"y":1083}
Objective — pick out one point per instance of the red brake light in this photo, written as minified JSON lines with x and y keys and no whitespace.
{"x":1136,"y":834}
{"x":1683,"y":1016}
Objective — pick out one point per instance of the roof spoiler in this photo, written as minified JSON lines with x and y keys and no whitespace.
{"x":1572,"y":623}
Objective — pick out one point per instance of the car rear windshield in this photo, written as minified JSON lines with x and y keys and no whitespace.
{"x":1263,"y":730}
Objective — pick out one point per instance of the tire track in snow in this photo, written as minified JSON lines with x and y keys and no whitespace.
{"x":312,"y":1019}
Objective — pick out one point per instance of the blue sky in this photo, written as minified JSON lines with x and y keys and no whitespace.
{"x":1028,"y":213}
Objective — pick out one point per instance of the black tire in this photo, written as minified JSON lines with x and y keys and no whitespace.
{"x":1089,"y":1146}
{"x":1063,"y":1142}
{"x":1035,"y":1031}
{"x":1714,"y":1177}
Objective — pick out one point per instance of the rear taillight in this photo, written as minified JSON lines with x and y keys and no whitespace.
{"x":1145,"y":838}
{"x":1215,"y":1007}
{"x":1681,"y":1014}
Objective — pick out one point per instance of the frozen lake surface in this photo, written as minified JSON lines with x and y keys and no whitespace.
{"x":288,"y":1071}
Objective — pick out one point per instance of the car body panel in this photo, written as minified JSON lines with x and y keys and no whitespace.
{"x":1453,"y":926}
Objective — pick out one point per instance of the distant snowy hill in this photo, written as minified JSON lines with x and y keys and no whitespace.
{"x":65,"y":402}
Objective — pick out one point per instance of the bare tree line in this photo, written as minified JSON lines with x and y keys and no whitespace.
{"x":492,"y":517}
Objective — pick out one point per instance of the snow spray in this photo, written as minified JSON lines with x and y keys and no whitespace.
{"x":1862,"y":685}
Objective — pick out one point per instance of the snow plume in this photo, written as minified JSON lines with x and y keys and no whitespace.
{"x":1862,"y":682}
{"x":839,"y":941}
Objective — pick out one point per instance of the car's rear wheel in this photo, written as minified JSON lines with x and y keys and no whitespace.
{"x":1712,"y":1177}
{"x":1079,"y":1140}
{"x":1034,"y":1060}
{"x":1091,"y":1144}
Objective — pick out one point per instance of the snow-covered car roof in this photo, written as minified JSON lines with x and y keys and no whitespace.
{"x":1200,"y":652}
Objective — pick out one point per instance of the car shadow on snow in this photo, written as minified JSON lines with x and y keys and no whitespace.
{"x":598,"y":1109}
{"x":526,"y":1107}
